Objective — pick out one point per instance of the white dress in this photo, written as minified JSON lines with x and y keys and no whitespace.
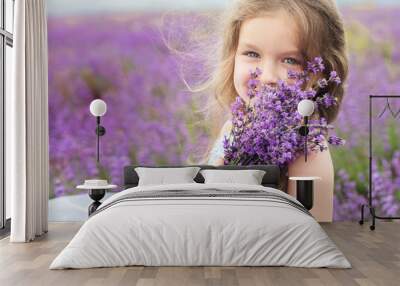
{"x":217,"y":150}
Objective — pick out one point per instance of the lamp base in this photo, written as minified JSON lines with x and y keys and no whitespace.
{"x":303,"y":130}
{"x":305,"y":193}
{"x":100,"y":130}
{"x":96,"y":195}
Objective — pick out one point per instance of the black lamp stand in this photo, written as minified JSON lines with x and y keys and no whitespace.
{"x":100,"y":131}
{"x":303,"y":131}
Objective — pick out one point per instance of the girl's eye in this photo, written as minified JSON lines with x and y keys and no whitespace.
{"x":251,"y":54}
{"x":291,"y":61}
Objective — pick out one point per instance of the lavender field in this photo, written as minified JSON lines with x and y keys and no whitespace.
{"x":152,"y":119}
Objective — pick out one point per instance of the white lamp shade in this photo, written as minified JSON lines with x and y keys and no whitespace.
{"x":305,"y":107}
{"x":98,"y":107}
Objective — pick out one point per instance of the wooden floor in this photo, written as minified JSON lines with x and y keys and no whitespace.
{"x":375,"y":257}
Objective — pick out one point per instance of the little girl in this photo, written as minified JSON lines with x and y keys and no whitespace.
{"x":277,"y":36}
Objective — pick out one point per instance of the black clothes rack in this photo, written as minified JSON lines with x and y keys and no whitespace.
{"x":370,"y":203}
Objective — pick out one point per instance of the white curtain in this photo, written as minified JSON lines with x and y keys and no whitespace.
{"x":27,"y":159}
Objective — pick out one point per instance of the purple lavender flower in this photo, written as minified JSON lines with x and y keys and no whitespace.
{"x":322,"y":83}
{"x":253,"y":82}
{"x":266,"y":131}
{"x":334,"y":140}
{"x":316,"y":66}
{"x":326,"y":100}
{"x":334,"y":78}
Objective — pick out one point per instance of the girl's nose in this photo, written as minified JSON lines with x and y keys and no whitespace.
{"x":269,"y":74}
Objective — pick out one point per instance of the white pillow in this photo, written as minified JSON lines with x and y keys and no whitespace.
{"x":248,"y":177}
{"x":162,"y":176}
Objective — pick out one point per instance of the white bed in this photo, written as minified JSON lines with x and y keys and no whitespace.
{"x":207,"y":230}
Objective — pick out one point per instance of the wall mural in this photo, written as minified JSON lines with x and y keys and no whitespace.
{"x":125,"y":59}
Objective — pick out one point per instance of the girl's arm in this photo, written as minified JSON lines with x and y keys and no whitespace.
{"x":318,"y":164}
{"x":219,"y":161}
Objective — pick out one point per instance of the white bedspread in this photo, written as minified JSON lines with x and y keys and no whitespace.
{"x":200,"y":231}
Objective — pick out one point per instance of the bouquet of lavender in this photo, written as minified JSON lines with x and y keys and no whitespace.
{"x":265,"y":130}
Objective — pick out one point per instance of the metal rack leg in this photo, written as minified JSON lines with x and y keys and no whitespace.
{"x":372,"y":227}
{"x":373,"y":216}
{"x":361,"y":222}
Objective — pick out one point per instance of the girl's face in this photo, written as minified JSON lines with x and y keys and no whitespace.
{"x":270,"y":43}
